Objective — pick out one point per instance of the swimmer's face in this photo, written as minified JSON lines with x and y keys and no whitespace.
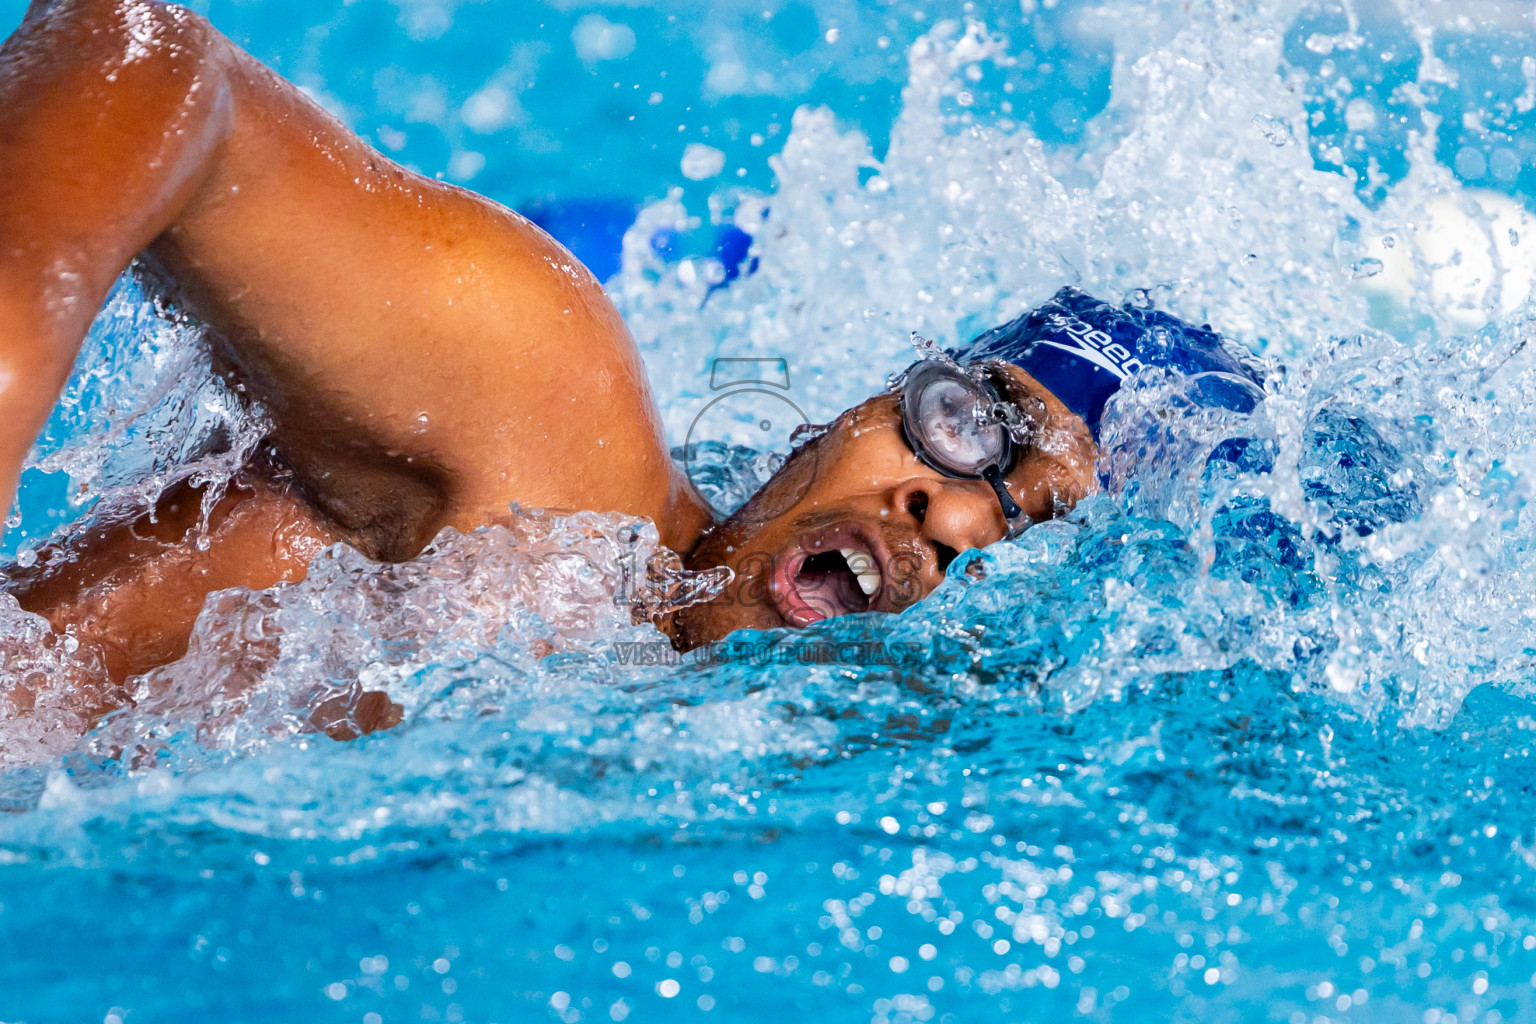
{"x":854,"y":522}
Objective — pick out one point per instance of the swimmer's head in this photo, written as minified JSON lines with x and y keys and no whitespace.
{"x":867,"y":517}
{"x":856,"y":521}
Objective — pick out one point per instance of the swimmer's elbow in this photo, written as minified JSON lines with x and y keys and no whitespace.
{"x":115,"y":40}
{"x":116,"y":110}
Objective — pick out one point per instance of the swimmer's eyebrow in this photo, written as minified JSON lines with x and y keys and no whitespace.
{"x":1010,"y":387}
{"x":1026,"y":398}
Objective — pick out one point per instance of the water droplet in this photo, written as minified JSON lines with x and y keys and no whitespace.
{"x":805,"y":433}
{"x":701,"y":162}
{"x":1368,"y":267}
{"x":1275,"y":130}
{"x":930,"y":350}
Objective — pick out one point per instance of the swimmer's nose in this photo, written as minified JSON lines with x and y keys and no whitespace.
{"x":952,"y":515}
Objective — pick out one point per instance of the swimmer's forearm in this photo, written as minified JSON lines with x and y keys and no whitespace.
{"x":111,"y":112}
{"x":32,"y":370}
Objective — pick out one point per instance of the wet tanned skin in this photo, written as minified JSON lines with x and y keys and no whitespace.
{"x":428,"y":356}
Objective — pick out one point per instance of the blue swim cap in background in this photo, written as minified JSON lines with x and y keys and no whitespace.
{"x":1083,"y":349}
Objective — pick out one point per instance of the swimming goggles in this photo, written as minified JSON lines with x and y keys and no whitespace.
{"x":949,"y":420}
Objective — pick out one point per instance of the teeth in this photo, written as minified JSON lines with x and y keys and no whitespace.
{"x":862,"y":565}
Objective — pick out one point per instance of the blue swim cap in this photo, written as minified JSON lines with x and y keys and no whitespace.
{"x":1083,"y":349}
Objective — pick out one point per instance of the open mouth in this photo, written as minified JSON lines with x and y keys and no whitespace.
{"x":836,"y":573}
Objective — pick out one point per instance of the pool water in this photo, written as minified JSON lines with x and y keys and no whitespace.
{"x":1241,"y":739}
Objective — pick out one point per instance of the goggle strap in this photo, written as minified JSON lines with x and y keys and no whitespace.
{"x":994,"y":476}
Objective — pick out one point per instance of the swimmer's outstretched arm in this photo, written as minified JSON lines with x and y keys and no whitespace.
{"x":428,"y":356}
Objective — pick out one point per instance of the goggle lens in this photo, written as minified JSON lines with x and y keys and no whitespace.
{"x":948,"y":423}
{"x":951,"y":420}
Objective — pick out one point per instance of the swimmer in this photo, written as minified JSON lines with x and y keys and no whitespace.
{"x":428,"y":358}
